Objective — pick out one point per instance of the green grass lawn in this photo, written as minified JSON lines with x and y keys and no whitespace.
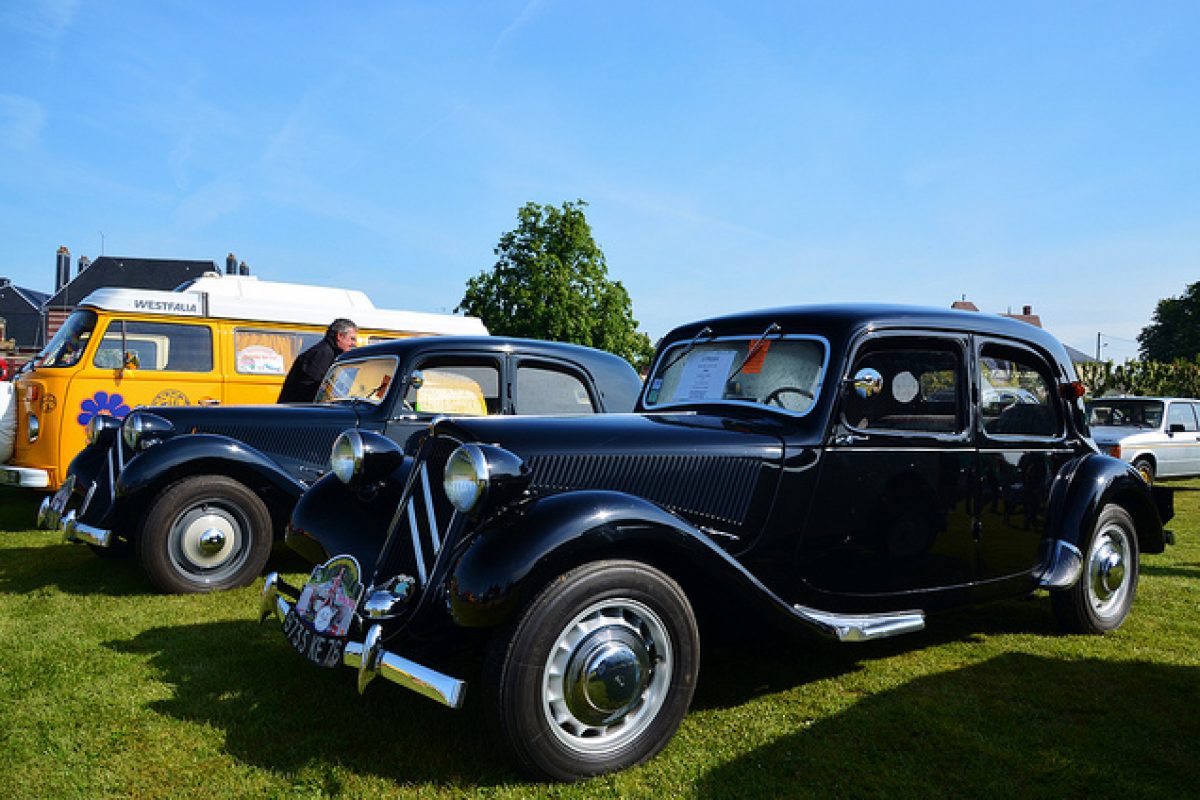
{"x":108,"y":689}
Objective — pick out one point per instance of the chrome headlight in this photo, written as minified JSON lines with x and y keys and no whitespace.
{"x":141,"y":430}
{"x":466,"y":477}
{"x":35,"y":428}
{"x":98,"y":424}
{"x":346,"y":457}
{"x":361,"y":458}
{"x":475,"y":472}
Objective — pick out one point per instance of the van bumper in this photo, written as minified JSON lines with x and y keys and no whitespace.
{"x":27,"y":477}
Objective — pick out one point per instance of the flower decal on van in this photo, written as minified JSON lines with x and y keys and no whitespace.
{"x":102,"y":403}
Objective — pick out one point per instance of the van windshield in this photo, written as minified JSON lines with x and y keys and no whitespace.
{"x":67,"y":346}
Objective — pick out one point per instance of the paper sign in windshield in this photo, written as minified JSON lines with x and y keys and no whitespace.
{"x":704,"y":376}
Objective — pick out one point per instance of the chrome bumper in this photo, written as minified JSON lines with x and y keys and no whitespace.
{"x":27,"y":477}
{"x":51,"y":517}
{"x":370,"y":659}
{"x":862,"y":627}
{"x":75,"y":531}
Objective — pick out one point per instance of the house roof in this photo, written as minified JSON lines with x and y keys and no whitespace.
{"x":133,"y":273}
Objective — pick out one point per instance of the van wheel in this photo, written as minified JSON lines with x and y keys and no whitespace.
{"x":596,"y":673}
{"x":1100,"y":600}
{"x":204,"y":534}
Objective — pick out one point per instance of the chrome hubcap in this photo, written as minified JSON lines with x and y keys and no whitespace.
{"x":208,"y":537}
{"x":1108,"y":561}
{"x":607,"y":676}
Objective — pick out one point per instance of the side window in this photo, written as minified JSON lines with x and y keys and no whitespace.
{"x":541,"y":390}
{"x":907,"y":385}
{"x":261,"y":351}
{"x":156,"y":346}
{"x":454,"y":387}
{"x":1015,"y":393}
{"x":1181,"y":414}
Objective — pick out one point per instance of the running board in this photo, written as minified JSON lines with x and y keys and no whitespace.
{"x":863,"y":627}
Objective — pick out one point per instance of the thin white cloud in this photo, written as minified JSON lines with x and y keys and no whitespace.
{"x":49,"y":19}
{"x":527,"y":13}
{"x":21,"y":121}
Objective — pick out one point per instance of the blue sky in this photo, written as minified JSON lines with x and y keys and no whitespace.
{"x":733,"y":155}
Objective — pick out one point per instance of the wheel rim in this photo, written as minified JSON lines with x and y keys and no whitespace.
{"x":1145,"y":471}
{"x":1110,"y":561}
{"x":209,"y":542}
{"x":607,"y":676}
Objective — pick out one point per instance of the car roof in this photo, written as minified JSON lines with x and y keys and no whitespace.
{"x":855,"y":316}
{"x":1141,"y":397}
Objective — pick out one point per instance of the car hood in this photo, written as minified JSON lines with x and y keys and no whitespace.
{"x":221,"y":419}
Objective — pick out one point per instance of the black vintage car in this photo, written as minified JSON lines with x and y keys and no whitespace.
{"x":839,"y":470}
{"x":201,"y":492}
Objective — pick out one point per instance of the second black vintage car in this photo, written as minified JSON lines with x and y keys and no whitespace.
{"x":202,"y":492}
{"x":836,"y":470}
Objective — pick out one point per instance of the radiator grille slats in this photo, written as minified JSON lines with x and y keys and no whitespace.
{"x":716,"y":487}
{"x":310,"y":445}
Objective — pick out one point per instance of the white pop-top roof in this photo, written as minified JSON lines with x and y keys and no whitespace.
{"x":246,"y":297}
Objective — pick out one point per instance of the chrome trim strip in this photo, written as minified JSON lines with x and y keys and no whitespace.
{"x":865,"y":627}
{"x":1062,"y":565}
{"x":43,"y":513}
{"x":415,"y":535}
{"x":434,"y":536}
{"x":87,"y":499}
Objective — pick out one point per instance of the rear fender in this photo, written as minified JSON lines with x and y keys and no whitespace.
{"x":333,"y":519}
{"x":1091,"y":482}
{"x":513,"y":556}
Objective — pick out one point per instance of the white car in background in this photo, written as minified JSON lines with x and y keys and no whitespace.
{"x":1159,"y":436}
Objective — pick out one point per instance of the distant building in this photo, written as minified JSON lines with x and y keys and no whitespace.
{"x":1026,"y":315}
{"x":21,"y":310}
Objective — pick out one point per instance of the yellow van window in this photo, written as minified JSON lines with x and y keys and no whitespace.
{"x":260,"y":351}
{"x":69,"y":342}
{"x":162,"y":346}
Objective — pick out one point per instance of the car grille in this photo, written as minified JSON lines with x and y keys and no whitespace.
{"x":424,"y":519}
{"x":310,"y":446}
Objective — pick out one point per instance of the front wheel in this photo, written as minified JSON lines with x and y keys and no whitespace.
{"x":597,"y":672}
{"x":1100,"y":600}
{"x":203,"y":534}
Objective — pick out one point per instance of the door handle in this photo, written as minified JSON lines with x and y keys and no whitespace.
{"x":209,"y":401}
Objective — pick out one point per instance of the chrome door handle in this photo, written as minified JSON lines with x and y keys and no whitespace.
{"x":210,"y":401}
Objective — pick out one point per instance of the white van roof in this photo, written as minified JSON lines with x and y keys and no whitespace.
{"x":246,"y":297}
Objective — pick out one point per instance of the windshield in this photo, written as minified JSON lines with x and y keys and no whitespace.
{"x":68,"y":344}
{"x":366,"y":380}
{"x":773,"y":371}
{"x":1125,"y":413}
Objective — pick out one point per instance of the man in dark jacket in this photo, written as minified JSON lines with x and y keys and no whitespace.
{"x":304,"y":378}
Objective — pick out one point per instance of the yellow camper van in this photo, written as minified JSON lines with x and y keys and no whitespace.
{"x":219,"y":339}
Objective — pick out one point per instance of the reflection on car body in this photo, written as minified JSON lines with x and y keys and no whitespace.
{"x":834,"y":470}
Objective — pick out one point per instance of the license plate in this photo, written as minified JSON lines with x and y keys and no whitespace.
{"x":10,"y":476}
{"x":318,"y":625}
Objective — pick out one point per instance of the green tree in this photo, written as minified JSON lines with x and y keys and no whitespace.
{"x":1174,"y":331}
{"x":550,"y":281}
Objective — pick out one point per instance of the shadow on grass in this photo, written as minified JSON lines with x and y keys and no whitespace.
{"x":18,"y":508}
{"x":1016,"y":725}
{"x":1174,"y":571}
{"x":282,"y":714}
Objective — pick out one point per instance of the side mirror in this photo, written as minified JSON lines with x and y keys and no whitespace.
{"x":1175,"y":427}
{"x":867,"y":382}
{"x":131,"y":360}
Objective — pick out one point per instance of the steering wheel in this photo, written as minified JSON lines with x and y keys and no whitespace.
{"x":774,"y":396}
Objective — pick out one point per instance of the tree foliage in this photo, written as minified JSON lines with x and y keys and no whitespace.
{"x":550,"y":281}
{"x":1178,"y":378}
{"x":1174,"y":331}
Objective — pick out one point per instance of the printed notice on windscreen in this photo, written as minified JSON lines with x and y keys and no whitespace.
{"x":704,"y":376}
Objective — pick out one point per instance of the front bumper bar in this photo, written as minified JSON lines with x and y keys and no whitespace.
{"x":369,"y":657}
{"x":70,"y":527}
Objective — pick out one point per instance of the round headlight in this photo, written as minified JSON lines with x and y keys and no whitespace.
{"x":35,"y":428}
{"x":346,"y":457}
{"x":98,"y":423}
{"x":141,"y":430}
{"x":466,"y":477}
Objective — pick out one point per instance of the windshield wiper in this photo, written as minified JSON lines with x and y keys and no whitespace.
{"x":705,"y":331}
{"x":773,"y":328}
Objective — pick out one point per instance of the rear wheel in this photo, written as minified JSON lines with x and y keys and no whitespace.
{"x":203,"y":534}
{"x":597,"y":672}
{"x":1100,"y":600}
{"x":1145,"y":468}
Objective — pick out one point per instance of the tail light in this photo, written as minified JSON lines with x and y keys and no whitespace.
{"x":1115,"y":451}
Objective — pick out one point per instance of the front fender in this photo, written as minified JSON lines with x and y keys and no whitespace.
{"x":202,"y":453}
{"x":331,"y":519}
{"x":1091,"y":482}
{"x":512,"y":557}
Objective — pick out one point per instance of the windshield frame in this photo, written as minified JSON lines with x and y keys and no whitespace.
{"x":346,"y":362}
{"x":668,"y":352}
{"x":54,"y":348}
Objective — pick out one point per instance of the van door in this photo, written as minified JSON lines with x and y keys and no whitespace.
{"x":144,"y":363}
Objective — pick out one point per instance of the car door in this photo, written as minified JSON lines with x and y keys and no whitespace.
{"x":891,"y":512}
{"x":1023,"y":442}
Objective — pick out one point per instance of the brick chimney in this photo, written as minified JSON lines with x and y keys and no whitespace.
{"x":244,"y":269}
{"x":62,"y":268}
{"x":83,"y":263}
{"x":231,"y":264}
